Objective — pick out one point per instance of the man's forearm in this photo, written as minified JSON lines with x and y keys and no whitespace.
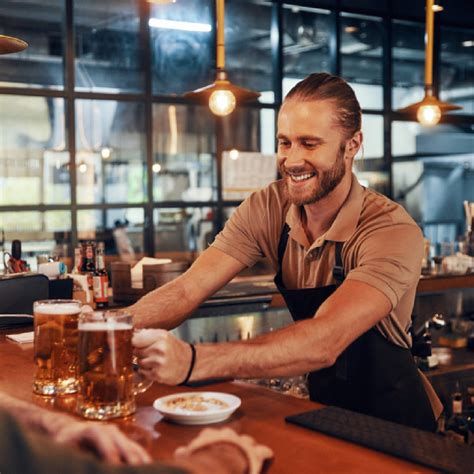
{"x":289,"y":351}
{"x":166,"y":307}
{"x":308,"y":345}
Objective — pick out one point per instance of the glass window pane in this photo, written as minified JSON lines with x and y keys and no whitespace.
{"x":34,"y":161}
{"x":40,"y":233}
{"x":248,"y":46}
{"x":249,"y":129}
{"x":182,"y":60}
{"x":183,"y":150}
{"x":107,"y":46}
{"x":378,"y":5}
{"x":185,"y":230}
{"x":372,"y":130}
{"x":411,"y":138}
{"x":41,"y":64}
{"x":457,"y":68}
{"x":433,"y":186}
{"x":361,"y":57}
{"x":408,"y":53}
{"x":120,"y":229}
{"x":306,"y":34}
{"x":111,"y":151}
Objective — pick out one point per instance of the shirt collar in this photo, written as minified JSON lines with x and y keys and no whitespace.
{"x":344,"y":224}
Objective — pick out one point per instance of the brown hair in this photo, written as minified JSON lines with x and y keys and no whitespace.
{"x":324,"y":86}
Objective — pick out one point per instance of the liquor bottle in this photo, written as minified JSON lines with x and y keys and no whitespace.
{"x":457,"y":425}
{"x":100,"y":279}
{"x":77,"y":268}
{"x":88,"y":266}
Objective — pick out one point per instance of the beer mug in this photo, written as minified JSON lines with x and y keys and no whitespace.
{"x":107,"y":381}
{"x":55,"y":351}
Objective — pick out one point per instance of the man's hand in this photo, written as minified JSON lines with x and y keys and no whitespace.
{"x":106,"y":441}
{"x":162,"y":357}
{"x":228,"y":451}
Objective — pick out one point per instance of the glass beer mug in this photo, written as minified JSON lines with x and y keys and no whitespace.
{"x":55,"y":351}
{"x":107,"y":381}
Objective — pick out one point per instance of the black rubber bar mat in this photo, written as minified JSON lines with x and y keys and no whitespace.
{"x":414,"y":445}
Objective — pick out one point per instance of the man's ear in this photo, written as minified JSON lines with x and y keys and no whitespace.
{"x":353,"y":144}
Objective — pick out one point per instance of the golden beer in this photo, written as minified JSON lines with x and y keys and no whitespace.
{"x":106,"y":378}
{"x":55,"y":351}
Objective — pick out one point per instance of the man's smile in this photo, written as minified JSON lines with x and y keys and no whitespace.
{"x":300,"y":177}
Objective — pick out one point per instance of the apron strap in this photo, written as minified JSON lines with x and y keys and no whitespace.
{"x":338,"y":269}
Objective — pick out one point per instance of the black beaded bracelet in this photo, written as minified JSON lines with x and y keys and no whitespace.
{"x":191,"y":366}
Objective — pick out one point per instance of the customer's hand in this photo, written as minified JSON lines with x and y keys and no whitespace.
{"x":233,"y":453}
{"x":161,"y":357}
{"x":104,"y":440}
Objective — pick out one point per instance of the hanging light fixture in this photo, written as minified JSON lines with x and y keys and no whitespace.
{"x":8,"y":45}
{"x":222,"y":96}
{"x":429,"y":110}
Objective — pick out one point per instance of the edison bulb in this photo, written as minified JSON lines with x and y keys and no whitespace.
{"x":428,"y":115}
{"x":222,"y":102}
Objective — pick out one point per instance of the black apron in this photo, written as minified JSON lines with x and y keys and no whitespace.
{"x":373,"y":375}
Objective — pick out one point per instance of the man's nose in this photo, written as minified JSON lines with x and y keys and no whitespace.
{"x":294,"y":157}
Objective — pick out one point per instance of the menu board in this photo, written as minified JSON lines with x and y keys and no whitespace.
{"x":246,"y":172}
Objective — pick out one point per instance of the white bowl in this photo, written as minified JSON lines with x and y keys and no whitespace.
{"x":213,"y":414}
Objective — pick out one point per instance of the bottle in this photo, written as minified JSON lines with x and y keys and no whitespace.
{"x":88,"y":267}
{"x":457,"y":425}
{"x":77,"y":268}
{"x":89,"y":263}
{"x":100,"y":279}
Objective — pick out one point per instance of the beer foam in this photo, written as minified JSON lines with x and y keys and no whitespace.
{"x":104,"y":326}
{"x":54,"y":309}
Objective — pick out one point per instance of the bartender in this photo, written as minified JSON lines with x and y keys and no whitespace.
{"x":347,"y":262}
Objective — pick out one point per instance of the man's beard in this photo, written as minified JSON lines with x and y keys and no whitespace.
{"x":327,"y":181}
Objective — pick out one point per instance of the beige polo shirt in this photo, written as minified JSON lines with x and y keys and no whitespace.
{"x":383,"y":247}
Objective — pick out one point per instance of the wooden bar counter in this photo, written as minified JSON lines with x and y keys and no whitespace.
{"x":261,"y":415}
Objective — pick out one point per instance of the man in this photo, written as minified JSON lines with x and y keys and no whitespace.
{"x":35,"y":440}
{"x":347,"y":263}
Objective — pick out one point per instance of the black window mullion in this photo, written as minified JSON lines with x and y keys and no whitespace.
{"x":148,"y":237}
{"x":69,"y":83}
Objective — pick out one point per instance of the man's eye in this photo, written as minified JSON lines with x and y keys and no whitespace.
{"x":309,"y":144}
{"x":283,"y":143}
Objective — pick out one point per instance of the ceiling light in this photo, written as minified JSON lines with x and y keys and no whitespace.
{"x":437,"y":8}
{"x":156,"y":168}
{"x":106,"y":152}
{"x":82,"y":167}
{"x":179,"y":25}
{"x":8,"y":44}
{"x":429,"y":110}
{"x":222,"y":96}
{"x":234,"y":154}
{"x":468,"y":43}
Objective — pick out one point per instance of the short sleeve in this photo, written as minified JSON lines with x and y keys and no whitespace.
{"x":389,"y":259}
{"x":238,"y":238}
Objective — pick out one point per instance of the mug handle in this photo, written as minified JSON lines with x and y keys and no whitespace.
{"x":140,"y":383}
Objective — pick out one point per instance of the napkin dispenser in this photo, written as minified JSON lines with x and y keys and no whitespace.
{"x":154,"y":276}
{"x":19,"y":292}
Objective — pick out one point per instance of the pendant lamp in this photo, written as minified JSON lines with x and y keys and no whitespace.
{"x":8,"y":44}
{"x":221,"y":96}
{"x":429,"y":110}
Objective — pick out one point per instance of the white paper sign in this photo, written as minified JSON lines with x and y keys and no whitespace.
{"x":246,"y":172}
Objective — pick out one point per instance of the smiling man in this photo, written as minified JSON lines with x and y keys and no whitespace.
{"x":347,"y":262}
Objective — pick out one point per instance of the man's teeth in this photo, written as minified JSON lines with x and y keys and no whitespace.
{"x":301,"y":177}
